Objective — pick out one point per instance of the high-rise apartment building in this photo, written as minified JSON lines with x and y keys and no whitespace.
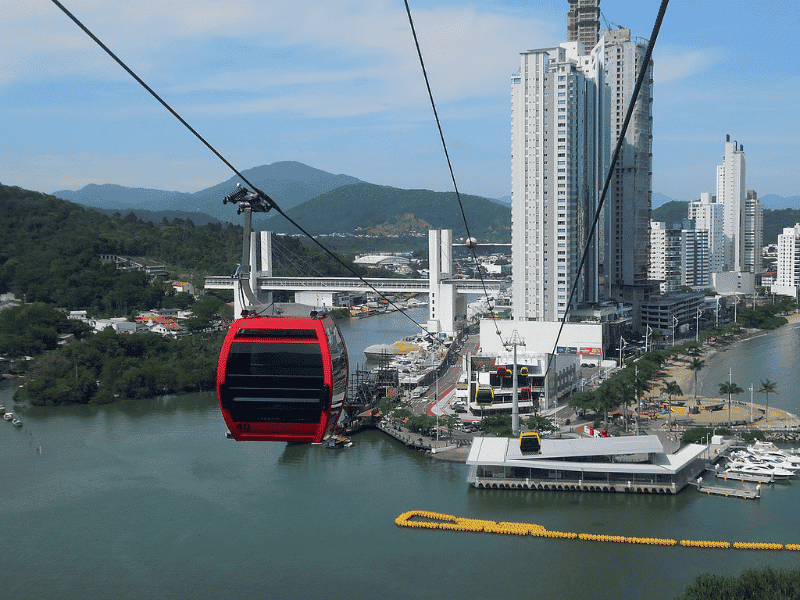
{"x":560,"y":144}
{"x":731,"y":178}
{"x":665,"y":261}
{"x":753,"y":233}
{"x":787,"y":277}
{"x":679,"y":256}
{"x":709,"y":215}
{"x":629,"y":199}
{"x":583,"y":23}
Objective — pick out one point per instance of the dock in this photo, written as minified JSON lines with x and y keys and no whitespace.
{"x":728,"y":492}
{"x":751,"y":478}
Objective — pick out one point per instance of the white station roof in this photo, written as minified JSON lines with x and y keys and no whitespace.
{"x":505,"y":452}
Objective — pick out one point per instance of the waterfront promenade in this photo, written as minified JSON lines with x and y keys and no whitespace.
{"x":710,"y":412}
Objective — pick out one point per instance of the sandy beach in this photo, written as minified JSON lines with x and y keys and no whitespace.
{"x":677,"y":370}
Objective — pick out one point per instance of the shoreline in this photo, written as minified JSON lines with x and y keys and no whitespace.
{"x":679,"y":372}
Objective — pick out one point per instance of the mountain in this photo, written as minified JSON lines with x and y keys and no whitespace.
{"x":289,"y":183}
{"x":672,"y":212}
{"x":504,"y":200}
{"x":659,"y":199}
{"x":117,"y":197}
{"x":381,"y":210}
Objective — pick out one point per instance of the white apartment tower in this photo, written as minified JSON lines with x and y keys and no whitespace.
{"x":731,"y":177}
{"x":629,"y":198}
{"x":679,"y":257}
{"x":787,"y":278}
{"x":560,"y":153}
{"x":709,"y":216}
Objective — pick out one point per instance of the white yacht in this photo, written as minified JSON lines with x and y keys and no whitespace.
{"x":740,"y":467}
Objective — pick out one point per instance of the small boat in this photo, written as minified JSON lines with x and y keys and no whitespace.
{"x":16,"y":423}
{"x":8,"y":416}
{"x":339,"y":441}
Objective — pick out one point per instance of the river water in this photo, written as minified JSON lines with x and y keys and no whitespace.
{"x":149,"y":500}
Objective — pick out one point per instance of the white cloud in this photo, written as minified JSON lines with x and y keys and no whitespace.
{"x":671,"y":64}
{"x":361,"y":45}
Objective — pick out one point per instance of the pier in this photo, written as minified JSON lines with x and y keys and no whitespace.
{"x":728,"y":492}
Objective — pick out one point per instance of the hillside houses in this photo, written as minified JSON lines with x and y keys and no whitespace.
{"x":166,"y":322}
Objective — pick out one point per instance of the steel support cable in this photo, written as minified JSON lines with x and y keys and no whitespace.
{"x":279,"y":257}
{"x":287,"y":252}
{"x":639,"y":80}
{"x":270,"y":202}
{"x":450,"y":167}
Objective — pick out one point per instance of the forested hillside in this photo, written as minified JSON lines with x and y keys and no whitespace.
{"x":380,"y":210}
{"x":49,"y":252}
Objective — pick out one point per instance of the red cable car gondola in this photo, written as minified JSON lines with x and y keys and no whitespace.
{"x":282,"y":378}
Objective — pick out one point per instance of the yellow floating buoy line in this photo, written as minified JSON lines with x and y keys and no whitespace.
{"x":434,"y":520}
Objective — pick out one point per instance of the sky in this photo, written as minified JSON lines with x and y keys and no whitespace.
{"x":337,"y":85}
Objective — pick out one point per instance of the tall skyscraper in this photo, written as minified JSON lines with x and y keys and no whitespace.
{"x":731,"y":177}
{"x":583,"y":23}
{"x":560,"y":152}
{"x":629,"y":199}
{"x":743,"y":220}
{"x":753,"y":233}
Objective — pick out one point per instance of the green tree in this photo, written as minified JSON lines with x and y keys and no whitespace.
{"x":539,"y":423}
{"x":498,"y":424}
{"x":729,"y":388}
{"x":768,"y":387}
{"x":765,"y":582}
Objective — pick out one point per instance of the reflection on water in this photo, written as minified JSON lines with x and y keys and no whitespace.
{"x":148,"y":499}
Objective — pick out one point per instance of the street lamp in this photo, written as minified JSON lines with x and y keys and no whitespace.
{"x":647,"y":333}
{"x":622,"y":344}
{"x":674,"y":325}
{"x":697,"y":326}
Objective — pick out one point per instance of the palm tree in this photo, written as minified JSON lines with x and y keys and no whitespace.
{"x":671,"y":389}
{"x":768,"y":387}
{"x":729,"y":388}
{"x":696,"y":365}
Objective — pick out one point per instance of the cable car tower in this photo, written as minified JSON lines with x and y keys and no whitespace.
{"x":244,"y":296}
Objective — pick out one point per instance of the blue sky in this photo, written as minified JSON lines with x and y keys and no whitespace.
{"x":337,"y":85}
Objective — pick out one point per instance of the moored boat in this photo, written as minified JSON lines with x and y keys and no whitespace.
{"x":339,"y":441}
{"x":8,"y":416}
{"x":16,"y":423}
{"x":740,"y":467}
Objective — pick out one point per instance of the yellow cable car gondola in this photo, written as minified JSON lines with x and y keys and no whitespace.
{"x":530,"y":443}
{"x":484,"y":395}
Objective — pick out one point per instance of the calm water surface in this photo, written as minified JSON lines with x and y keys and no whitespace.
{"x":149,"y":500}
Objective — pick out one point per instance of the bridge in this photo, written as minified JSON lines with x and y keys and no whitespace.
{"x":446,"y":293}
{"x":354,"y":284}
